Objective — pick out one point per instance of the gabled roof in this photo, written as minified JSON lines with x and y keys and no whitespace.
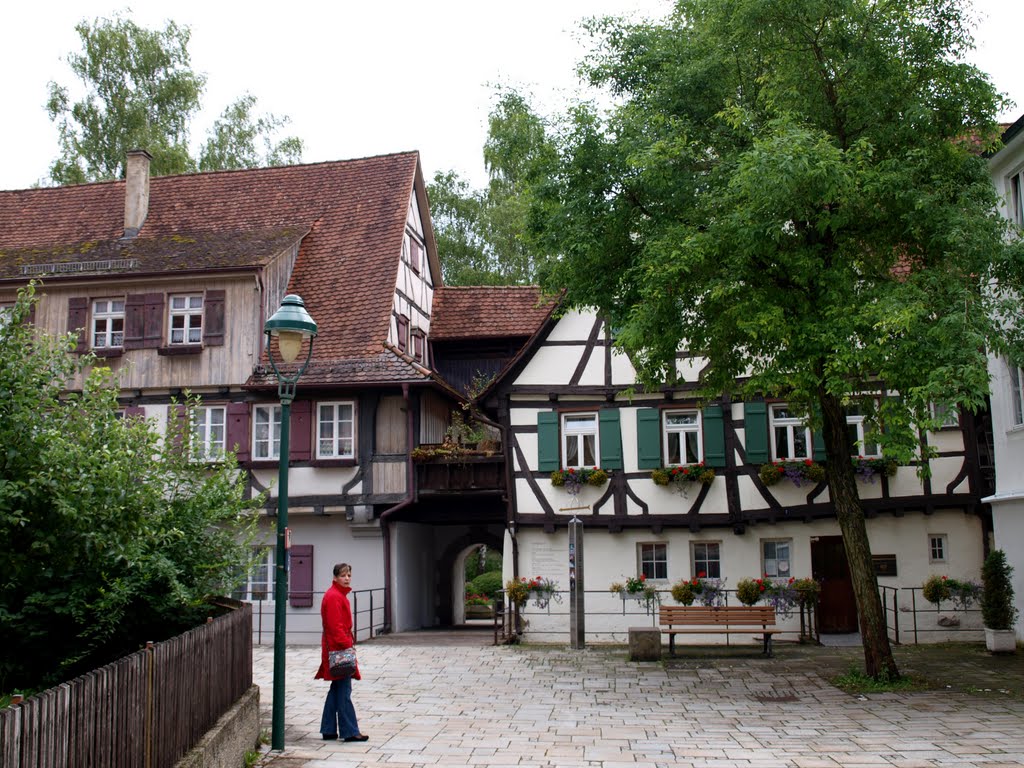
{"x":479,"y":312}
{"x":350,"y":216}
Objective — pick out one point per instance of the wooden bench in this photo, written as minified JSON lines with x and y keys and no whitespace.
{"x":725,"y":620}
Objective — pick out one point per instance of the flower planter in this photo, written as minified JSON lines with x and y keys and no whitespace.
{"x":1000,"y":640}
{"x":479,"y":612}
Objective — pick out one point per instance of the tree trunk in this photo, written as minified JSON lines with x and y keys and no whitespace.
{"x":842,"y":485}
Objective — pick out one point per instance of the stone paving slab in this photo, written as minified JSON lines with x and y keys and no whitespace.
{"x":435,"y":703}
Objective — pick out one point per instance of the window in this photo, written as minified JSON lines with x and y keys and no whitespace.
{"x":208,"y":429}
{"x":1017,"y":394}
{"x":791,"y":437}
{"x":335,"y":431}
{"x":107,"y":323}
{"x":682,"y":437}
{"x":266,"y":438}
{"x":259,"y":584}
{"x":418,"y":346}
{"x":948,"y":416}
{"x":1016,"y":198}
{"x":402,"y":329}
{"x":707,"y":559}
{"x":859,"y":446}
{"x":579,"y":440}
{"x":6,"y":312}
{"x":775,"y":560}
{"x":415,"y":255}
{"x":654,"y":560}
{"x":186,"y":319}
{"x":937,"y":548}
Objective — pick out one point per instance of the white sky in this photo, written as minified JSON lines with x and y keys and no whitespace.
{"x":362,"y":78}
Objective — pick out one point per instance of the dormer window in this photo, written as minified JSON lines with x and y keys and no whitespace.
{"x":186,"y":319}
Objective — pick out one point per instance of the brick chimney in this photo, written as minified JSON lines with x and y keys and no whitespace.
{"x":136,"y":192}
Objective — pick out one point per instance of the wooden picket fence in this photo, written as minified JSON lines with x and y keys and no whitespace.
{"x":146,"y":710}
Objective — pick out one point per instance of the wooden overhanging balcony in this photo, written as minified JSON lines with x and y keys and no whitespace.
{"x":456,"y":469}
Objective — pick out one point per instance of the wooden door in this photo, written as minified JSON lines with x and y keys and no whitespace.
{"x":837,"y":611}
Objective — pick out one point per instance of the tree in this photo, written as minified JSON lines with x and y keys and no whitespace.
{"x":791,"y":189}
{"x":110,"y":537}
{"x":481,"y":234}
{"x":141,"y":92}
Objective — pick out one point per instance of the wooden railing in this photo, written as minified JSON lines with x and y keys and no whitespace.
{"x":146,"y":710}
{"x":462,"y":474}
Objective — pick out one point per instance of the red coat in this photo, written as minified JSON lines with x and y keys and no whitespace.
{"x":336,"y":614}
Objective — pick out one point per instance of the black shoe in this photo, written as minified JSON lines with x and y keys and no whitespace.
{"x":330,"y":736}
{"x":358,"y":737}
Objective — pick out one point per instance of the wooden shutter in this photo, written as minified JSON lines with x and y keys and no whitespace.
{"x":176,"y":425}
{"x":648,"y":438}
{"x":300,"y":576}
{"x":238,"y":431}
{"x":78,"y":319}
{"x":213,"y":319}
{"x":547,"y":441}
{"x":154,"y":321}
{"x":755,"y":428}
{"x":610,"y":436}
{"x":301,"y":429}
{"x":134,"y":321}
{"x":134,"y":412}
{"x":714,"y":436}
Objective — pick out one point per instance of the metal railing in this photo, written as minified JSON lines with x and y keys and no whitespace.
{"x":616,"y":614}
{"x":304,"y":625}
{"x":919,"y":617}
{"x":147,"y":709}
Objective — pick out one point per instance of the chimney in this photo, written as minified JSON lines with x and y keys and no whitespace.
{"x":136,"y":192}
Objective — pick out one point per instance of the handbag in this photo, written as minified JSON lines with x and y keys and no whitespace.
{"x":342,"y":663}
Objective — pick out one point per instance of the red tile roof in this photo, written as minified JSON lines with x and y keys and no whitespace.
{"x":474,"y":312}
{"x":352,"y":215}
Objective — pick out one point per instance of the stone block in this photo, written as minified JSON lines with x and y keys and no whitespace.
{"x":644,"y":644}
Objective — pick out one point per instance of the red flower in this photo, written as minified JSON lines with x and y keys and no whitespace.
{"x":643,"y":577}
{"x":808,"y":462}
{"x":701,"y":574}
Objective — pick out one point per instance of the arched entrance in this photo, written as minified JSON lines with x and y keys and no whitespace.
{"x":452,"y":572}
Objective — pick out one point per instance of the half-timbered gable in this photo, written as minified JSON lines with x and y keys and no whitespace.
{"x":687,"y":489}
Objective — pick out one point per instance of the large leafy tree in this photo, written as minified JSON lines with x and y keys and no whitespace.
{"x":481,"y":234}
{"x":792,"y":189}
{"x":109,"y":538}
{"x":141,"y":92}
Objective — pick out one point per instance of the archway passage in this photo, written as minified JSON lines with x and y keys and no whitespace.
{"x":453,"y":572}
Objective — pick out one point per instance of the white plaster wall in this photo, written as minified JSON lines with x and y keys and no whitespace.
{"x":573,"y":326}
{"x":611,"y":557}
{"x":412,"y":576}
{"x":309,"y":481}
{"x":552,"y":365}
{"x":623,"y":372}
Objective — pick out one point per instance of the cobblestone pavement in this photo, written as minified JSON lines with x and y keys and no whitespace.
{"x":446,"y":699}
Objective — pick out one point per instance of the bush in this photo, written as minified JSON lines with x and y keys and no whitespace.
{"x":997,"y":609}
{"x":749,"y":591}
{"x":491,"y":562}
{"x":485,"y":584}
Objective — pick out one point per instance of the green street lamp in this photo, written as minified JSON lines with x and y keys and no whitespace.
{"x":290,"y":325}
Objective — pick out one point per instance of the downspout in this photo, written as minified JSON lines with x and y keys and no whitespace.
{"x":410,"y":495}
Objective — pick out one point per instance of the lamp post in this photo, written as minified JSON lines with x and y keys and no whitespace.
{"x":290,"y":324}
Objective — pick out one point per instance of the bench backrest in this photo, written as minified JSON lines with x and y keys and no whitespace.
{"x":727,"y":615}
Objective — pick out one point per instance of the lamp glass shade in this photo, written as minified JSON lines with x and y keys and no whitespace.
{"x":289,"y":343}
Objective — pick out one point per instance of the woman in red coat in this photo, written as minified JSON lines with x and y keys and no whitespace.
{"x":339,"y":718}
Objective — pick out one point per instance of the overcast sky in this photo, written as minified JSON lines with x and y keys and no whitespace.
{"x":363,"y":78}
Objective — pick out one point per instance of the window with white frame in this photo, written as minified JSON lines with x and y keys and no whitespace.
{"x":579,"y":440}
{"x":107,"y":323}
{"x":1016,"y":394}
{"x":947,"y":415}
{"x":682,"y":437}
{"x":335,"y":430}
{"x":266,"y":432}
{"x":937,"y":548}
{"x":259,"y":583}
{"x":185,"y":324}
{"x":855,"y":430}
{"x":208,"y":432}
{"x":6,"y":312}
{"x":791,"y":437}
{"x":653,"y":560}
{"x":775,"y":558}
{"x":707,"y":559}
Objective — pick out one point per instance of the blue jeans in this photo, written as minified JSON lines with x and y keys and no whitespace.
{"x":339,"y":715}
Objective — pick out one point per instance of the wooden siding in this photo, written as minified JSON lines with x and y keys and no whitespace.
{"x":389,"y":477}
{"x":433,"y":418}
{"x":391,"y":426}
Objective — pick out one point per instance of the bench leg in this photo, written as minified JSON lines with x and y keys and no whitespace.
{"x":671,"y":645}
{"x":767,"y":644}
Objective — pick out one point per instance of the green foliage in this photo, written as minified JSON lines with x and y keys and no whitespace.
{"x":856,"y":681}
{"x":482,"y":560}
{"x":749,"y":591}
{"x":486,"y":584}
{"x":997,"y":608}
{"x":111,"y":537}
{"x":141,"y":92}
{"x":482,"y":235}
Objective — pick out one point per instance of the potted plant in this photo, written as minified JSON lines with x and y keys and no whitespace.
{"x":997,"y":609}
{"x":479,"y":607}
{"x":636,"y":587}
{"x":749,"y":591}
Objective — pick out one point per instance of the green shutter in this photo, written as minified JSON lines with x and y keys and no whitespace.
{"x":755,"y":428}
{"x":648,"y":438}
{"x":818,"y":437}
{"x":714,"y":436}
{"x":611,"y":439}
{"x":547,"y":442}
